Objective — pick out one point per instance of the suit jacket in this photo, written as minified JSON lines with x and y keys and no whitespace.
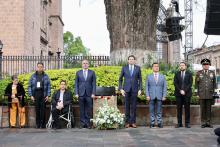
{"x":83,"y":86}
{"x":67,"y":99}
{"x":20,"y":93}
{"x":156,"y":90}
{"x":133,"y":82}
{"x":187,"y":85}
{"x":205,"y":85}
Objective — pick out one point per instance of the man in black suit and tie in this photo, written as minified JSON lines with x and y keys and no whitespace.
{"x":183,"y":92}
{"x":85,"y":87}
{"x":132,"y":85}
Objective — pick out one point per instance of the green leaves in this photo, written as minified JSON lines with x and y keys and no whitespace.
{"x":73,"y":46}
{"x":106,"y":76}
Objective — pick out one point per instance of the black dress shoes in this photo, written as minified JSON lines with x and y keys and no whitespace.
{"x":152,"y":126}
{"x":179,"y":125}
{"x":203,"y":125}
{"x":187,"y":126}
{"x":209,"y":126}
{"x":160,"y":125}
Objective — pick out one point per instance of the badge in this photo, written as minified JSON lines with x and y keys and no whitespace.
{"x":38,"y":84}
{"x":200,"y":76}
{"x":211,"y":75}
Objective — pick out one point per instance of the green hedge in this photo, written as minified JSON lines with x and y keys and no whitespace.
{"x":106,"y":76}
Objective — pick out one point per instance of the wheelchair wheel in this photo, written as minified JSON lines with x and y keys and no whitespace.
{"x":68,"y":125}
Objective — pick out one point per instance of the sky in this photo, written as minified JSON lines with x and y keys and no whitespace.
{"x":87,"y":19}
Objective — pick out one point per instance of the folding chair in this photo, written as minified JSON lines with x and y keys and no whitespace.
{"x":69,"y":118}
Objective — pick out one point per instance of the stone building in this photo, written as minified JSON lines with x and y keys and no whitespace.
{"x":212,"y":53}
{"x":31,"y":27}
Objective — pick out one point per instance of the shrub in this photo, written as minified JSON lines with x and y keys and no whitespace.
{"x":106,"y":76}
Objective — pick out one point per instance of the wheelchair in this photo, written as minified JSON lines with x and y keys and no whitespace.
{"x":67,"y":117}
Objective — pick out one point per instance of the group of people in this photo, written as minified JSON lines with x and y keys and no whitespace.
{"x":156,"y":90}
{"x":130,"y":86}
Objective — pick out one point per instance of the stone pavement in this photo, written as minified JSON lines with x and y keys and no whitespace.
{"x":140,"y":137}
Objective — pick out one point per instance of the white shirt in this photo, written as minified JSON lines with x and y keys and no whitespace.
{"x":61,"y":96}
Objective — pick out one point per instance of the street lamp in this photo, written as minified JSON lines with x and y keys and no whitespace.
{"x":58,"y":56}
{"x":1,"y":47}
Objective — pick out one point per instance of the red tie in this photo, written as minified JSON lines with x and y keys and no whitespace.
{"x":155,"y":77}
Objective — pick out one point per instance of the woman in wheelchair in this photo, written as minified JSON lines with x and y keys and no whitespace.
{"x":15,"y":93}
{"x":61,"y":100}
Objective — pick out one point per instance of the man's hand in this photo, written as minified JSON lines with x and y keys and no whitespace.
{"x":46,"y":99}
{"x":148,"y":98}
{"x":139,"y":92}
{"x":76,"y":95}
{"x":32,"y":98}
{"x":163,"y":99}
{"x":122,"y":92}
{"x":59,"y":105}
{"x":13,"y":96}
{"x":93,"y":96}
{"x":182,"y":92}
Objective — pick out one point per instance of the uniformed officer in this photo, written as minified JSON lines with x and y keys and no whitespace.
{"x":205,"y":84}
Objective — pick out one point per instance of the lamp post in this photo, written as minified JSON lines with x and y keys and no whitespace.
{"x":1,"y":46}
{"x":58,"y":57}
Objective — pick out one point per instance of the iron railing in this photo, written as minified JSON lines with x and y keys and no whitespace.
{"x":11,"y":65}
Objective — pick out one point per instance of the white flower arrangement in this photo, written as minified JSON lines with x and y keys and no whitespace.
{"x":108,"y":117}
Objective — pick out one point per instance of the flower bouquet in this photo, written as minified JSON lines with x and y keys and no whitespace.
{"x":108,"y":117}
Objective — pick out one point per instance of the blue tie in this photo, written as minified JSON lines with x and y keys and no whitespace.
{"x":131,"y":70}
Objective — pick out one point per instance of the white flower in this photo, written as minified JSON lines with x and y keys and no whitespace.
{"x":108,"y":117}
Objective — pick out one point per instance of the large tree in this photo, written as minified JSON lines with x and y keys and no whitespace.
{"x":73,"y":46}
{"x":132,"y":27}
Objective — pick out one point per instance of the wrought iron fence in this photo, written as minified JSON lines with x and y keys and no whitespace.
{"x":11,"y":65}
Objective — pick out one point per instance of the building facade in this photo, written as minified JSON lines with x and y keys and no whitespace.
{"x":212,"y":53}
{"x":31,"y":27}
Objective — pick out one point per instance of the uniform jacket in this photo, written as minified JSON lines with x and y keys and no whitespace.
{"x":205,"y":84}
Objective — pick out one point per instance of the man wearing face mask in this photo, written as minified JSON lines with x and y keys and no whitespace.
{"x":183,"y":92}
{"x":39,"y":91}
{"x":205,"y":85}
{"x":131,"y":74}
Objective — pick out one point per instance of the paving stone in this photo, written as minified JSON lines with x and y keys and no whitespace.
{"x":140,"y":137}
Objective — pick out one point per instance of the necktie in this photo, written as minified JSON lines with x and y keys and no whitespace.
{"x":155,"y":78}
{"x":84,"y":74}
{"x":131,"y":70}
{"x":182,"y":78}
{"x":182,"y":75}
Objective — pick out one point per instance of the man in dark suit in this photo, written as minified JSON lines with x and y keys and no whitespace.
{"x":61,"y":100}
{"x":85,"y":87}
{"x":132,"y":86}
{"x":183,"y":92}
{"x":205,"y":86}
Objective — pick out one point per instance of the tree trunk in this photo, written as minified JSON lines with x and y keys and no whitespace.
{"x":132,"y":28}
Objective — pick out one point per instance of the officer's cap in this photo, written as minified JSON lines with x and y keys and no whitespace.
{"x":206,"y":62}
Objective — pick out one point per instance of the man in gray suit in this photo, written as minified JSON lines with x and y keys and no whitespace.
{"x":85,"y":87}
{"x":156,"y":90}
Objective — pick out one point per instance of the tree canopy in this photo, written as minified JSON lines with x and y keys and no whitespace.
{"x":73,"y":46}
